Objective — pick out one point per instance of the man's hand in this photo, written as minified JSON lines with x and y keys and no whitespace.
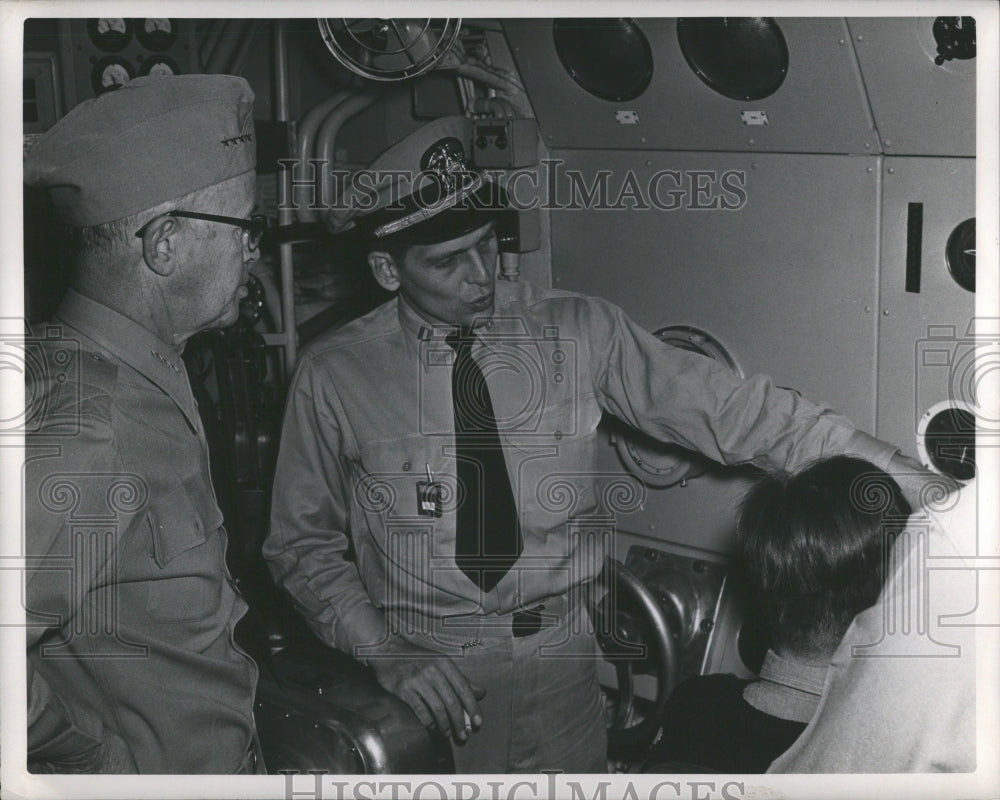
{"x":919,"y":486}
{"x":430,"y":683}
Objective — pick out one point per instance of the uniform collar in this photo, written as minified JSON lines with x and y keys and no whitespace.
{"x":136,"y":346}
{"x":787,"y":689}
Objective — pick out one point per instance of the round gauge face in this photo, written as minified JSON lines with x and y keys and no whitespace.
{"x":110,"y":73}
{"x":610,"y":58}
{"x":946,"y":440}
{"x":156,"y":33}
{"x":960,"y":254}
{"x":743,"y":58}
{"x":955,"y":38}
{"x":159,"y":66}
{"x":109,"y":34}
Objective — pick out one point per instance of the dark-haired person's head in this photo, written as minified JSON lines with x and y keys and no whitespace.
{"x":813,"y":544}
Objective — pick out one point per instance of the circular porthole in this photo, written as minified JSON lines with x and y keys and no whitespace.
{"x":946,"y":440}
{"x":744,"y":58}
{"x":610,"y":58}
{"x":960,"y":254}
{"x":653,"y":462}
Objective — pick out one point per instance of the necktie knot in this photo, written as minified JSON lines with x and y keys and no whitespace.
{"x":461,"y":339}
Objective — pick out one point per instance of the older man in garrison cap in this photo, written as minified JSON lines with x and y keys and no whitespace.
{"x":438,"y":458}
{"x":131,"y":660}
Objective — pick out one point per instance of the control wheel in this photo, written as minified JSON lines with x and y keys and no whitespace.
{"x":636,"y":637}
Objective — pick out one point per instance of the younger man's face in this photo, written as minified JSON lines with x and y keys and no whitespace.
{"x":452,"y":283}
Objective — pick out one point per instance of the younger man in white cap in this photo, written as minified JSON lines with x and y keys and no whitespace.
{"x":437,"y":466}
{"x":131,"y":661}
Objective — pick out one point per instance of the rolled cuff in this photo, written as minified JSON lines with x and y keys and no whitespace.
{"x":871,"y":449}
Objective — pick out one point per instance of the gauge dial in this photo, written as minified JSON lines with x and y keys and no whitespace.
{"x":157,"y":33}
{"x":109,"y":34}
{"x":159,"y":66}
{"x":110,"y":73}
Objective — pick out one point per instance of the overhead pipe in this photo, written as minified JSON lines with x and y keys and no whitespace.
{"x":305,"y":143}
{"x":326,"y":142}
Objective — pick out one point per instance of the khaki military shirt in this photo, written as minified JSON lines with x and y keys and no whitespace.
{"x":369,"y":416}
{"x":130,"y":606}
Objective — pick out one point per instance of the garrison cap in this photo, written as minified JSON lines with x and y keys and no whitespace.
{"x":420,"y":191}
{"x":154,"y":139}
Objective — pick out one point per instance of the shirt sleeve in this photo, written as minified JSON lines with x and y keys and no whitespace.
{"x":689,"y":399}
{"x":308,"y":542}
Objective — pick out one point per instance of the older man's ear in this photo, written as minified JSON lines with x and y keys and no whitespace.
{"x":158,"y":245}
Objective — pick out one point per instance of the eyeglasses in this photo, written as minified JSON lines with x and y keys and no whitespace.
{"x":255,"y":227}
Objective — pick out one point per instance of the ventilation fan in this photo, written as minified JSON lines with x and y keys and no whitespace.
{"x":389,"y":49}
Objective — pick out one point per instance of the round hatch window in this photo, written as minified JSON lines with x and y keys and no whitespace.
{"x":610,"y":58}
{"x":744,"y":58}
{"x":960,"y":254}
{"x":946,"y":440}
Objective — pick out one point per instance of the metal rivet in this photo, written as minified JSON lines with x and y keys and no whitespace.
{"x":868,"y":309}
{"x":842,"y":42}
{"x":869,"y":170}
{"x":885,"y":312}
{"x":892,"y":171}
{"x":751,"y":141}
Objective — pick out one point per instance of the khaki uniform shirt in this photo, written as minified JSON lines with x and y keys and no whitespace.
{"x":369,"y":416}
{"x":130,"y":606}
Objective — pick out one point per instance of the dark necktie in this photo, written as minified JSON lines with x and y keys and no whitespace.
{"x":487,"y":531}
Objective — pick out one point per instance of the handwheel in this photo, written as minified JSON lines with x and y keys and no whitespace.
{"x":634,"y":634}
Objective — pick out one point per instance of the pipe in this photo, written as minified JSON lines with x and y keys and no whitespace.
{"x":326,"y":141}
{"x":305,"y":139}
{"x":281,"y":112}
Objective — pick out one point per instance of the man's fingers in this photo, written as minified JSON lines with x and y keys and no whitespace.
{"x":419,"y":707}
{"x":477,"y":690}
{"x":466,"y":693}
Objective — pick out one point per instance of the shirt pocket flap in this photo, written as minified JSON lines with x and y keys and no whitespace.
{"x":178,"y":523}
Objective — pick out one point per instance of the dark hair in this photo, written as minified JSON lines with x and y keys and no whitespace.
{"x":814,"y":546}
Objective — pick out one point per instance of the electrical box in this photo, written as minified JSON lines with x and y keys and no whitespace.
{"x":505,"y":143}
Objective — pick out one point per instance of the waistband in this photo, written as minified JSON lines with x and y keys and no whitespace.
{"x":467,"y":630}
